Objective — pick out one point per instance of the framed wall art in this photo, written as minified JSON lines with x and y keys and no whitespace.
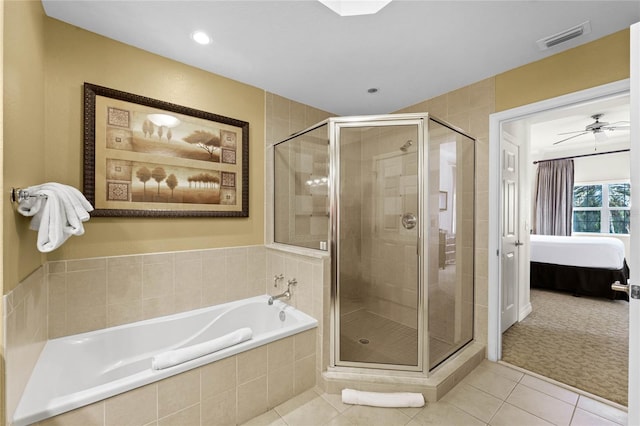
{"x":146,"y":157}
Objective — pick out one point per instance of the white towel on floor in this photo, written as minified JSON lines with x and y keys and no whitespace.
{"x":178,"y":356}
{"x":57,"y":212}
{"x":379,"y":399}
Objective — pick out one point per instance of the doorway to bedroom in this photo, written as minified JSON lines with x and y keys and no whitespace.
{"x":545,"y":330}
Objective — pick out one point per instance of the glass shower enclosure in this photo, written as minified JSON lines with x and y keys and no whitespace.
{"x":392,"y":199}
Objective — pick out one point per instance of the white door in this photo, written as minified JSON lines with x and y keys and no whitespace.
{"x":509,"y":232}
{"x":634,"y":261}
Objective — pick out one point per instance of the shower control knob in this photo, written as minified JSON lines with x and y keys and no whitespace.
{"x":409,"y":220}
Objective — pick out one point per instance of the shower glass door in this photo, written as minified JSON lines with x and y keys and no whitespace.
{"x":450,"y":273}
{"x":376,"y":237}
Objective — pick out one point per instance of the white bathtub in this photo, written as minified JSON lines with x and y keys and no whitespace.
{"x":78,"y":370}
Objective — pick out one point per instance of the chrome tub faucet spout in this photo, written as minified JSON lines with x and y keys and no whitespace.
{"x":286,"y":294}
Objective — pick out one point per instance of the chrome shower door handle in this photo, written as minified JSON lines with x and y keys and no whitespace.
{"x":409,"y":221}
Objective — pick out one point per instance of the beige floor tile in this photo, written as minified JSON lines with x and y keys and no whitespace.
{"x":494,"y":384}
{"x":508,"y":415}
{"x":339,"y":421}
{"x":372,"y":416}
{"x":585,"y":418}
{"x":270,"y":418}
{"x":315,"y":412}
{"x":411,"y":411}
{"x":502,"y":370}
{"x":602,"y":410}
{"x":478,"y":400}
{"x":550,"y":389}
{"x":296,"y":402}
{"x":336,"y":401}
{"x":473,"y":401}
{"x":542,"y":405}
{"x":443,"y":413}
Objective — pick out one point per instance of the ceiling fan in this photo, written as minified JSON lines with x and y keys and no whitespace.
{"x":597,"y":128}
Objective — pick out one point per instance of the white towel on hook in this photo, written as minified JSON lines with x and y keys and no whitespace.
{"x":57,"y":212}
{"x":379,"y":399}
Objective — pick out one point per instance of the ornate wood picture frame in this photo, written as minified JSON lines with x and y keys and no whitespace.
{"x":149,"y":158}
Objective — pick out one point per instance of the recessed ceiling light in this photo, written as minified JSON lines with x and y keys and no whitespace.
{"x":355,"y":7}
{"x":200,"y":37}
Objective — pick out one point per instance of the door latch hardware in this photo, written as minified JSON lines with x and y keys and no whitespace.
{"x":633,"y":291}
{"x":409,"y":220}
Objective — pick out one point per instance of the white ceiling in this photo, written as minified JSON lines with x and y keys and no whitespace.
{"x":410,"y":50}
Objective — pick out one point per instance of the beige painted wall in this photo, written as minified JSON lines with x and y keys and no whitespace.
{"x":24,"y":153}
{"x":602,"y":61}
{"x":45,"y":127}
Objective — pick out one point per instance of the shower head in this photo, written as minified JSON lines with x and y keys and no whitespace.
{"x":407,"y":144}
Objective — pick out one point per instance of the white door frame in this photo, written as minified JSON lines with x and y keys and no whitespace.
{"x":633,"y":417}
{"x":494,"y":337}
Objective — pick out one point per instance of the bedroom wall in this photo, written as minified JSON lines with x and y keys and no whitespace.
{"x":603,"y":167}
{"x":610,"y":167}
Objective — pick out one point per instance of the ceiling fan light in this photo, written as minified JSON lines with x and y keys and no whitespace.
{"x":601,"y":136}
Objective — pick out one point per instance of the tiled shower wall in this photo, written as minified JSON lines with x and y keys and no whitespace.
{"x":469,"y":108}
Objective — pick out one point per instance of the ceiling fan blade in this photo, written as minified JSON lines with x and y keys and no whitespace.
{"x":568,"y":133}
{"x":570,"y":137}
{"x":617,"y":122}
{"x":616,"y":127}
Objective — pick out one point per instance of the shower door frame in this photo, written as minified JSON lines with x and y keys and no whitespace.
{"x":421,"y":121}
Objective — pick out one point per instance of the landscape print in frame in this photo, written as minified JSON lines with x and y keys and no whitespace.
{"x":146,"y":157}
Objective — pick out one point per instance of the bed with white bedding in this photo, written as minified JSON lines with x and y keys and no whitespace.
{"x":581,"y":265}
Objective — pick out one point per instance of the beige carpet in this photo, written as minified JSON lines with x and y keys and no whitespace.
{"x":579,"y":341}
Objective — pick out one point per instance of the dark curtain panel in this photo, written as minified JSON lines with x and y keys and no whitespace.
{"x":554,"y":198}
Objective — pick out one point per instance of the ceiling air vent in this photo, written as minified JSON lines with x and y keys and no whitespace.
{"x":566,"y":35}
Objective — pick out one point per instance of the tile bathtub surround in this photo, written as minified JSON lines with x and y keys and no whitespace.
{"x":74,"y":296}
{"x":493,"y":394}
{"x":310,"y":295}
{"x":91,"y":294}
{"x":25,"y":310}
{"x":227,"y":392}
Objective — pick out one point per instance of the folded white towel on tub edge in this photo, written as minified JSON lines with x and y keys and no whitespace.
{"x":178,"y":356}
{"x":381,"y":399}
